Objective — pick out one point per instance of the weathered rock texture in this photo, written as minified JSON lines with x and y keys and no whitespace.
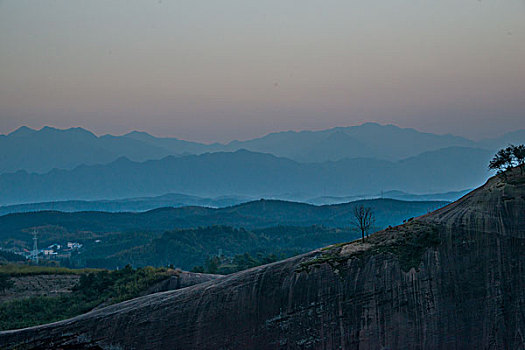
{"x":453,"y":279}
{"x":181,"y":279}
{"x":178,"y":280}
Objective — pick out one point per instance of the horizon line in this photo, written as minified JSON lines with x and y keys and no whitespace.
{"x":98,"y":135}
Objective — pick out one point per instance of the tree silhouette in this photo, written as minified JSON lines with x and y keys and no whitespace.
{"x":502,"y":160}
{"x":519,"y":154}
{"x":508,"y":157}
{"x":363,"y":219}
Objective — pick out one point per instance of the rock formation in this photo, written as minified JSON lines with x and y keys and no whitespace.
{"x":181,"y":279}
{"x":452,"y":279}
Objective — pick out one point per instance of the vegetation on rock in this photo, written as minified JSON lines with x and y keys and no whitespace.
{"x":94,"y":288}
{"x":508,"y":157}
{"x":224,"y":265}
{"x":407,"y":243}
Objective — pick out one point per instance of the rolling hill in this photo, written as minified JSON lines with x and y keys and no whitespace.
{"x":186,"y":236}
{"x":139,"y":204}
{"x":257,"y":214}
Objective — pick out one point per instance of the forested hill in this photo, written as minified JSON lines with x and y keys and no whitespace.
{"x":256,"y":214}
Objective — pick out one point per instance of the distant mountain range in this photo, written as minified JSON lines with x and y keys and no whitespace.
{"x":49,"y":148}
{"x":399,"y":195}
{"x":175,"y":200}
{"x":328,"y":166}
{"x":250,"y":174}
{"x":140,"y":204}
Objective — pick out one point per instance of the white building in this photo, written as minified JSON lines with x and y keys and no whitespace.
{"x":74,"y":245}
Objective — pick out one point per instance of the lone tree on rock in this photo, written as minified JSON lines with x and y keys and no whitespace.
{"x":508,"y":157}
{"x":363,"y":219}
{"x":519,"y":153}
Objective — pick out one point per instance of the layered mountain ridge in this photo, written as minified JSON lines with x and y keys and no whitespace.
{"x":176,"y":200}
{"x":50,"y":164}
{"x":451,"y":279}
{"x":250,"y":174}
{"x":49,"y":148}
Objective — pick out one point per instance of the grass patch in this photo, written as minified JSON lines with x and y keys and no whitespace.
{"x":24,"y":270}
{"x":407,"y":243}
{"x":337,"y":245}
{"x":409,"y":249}
{"x":40,"y":310}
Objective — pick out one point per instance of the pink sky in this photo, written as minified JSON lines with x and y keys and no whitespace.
{"x":217,"y":71}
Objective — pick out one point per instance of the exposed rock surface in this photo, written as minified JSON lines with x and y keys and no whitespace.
{"x":452,"y":279}
{"x":182,"y":279}
{"x":178,"y":280}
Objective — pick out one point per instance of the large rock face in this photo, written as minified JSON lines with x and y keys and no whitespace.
{"x":453,"y":279}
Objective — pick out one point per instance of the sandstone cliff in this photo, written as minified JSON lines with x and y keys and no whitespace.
{"x":452,"y":279}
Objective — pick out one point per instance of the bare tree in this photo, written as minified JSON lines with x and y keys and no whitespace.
{"x":363,"y":219}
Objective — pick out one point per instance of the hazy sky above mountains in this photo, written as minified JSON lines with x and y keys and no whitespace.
{"x":220,"y":70}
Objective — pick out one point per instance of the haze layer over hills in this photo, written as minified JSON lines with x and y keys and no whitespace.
{"x":175,"y":200}
{"x":245,"y":173}
{"x":363,"y":160}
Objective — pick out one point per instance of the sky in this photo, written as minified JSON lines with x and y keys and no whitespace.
{"x":237,"y":69}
